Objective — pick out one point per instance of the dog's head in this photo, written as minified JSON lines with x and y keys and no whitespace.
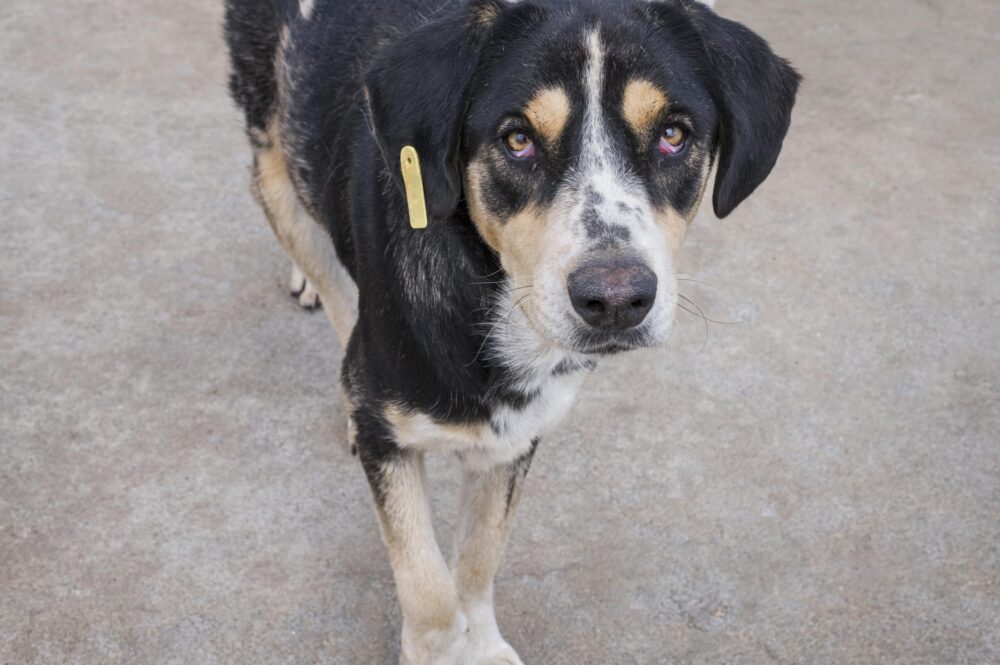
{"x":580,"y":139}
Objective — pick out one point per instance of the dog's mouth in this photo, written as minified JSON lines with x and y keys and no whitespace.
{"x":585,"y":340}
{"x":609,"y":349}
{"x":599,"y":343}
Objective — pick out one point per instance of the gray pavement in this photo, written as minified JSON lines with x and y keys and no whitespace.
{"x":816,"y":482}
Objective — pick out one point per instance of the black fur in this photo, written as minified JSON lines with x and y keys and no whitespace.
{"x":754,"y":92}
{"x":418,"y":89}
{"x":252,"y":36}
{"x":518,"y":471}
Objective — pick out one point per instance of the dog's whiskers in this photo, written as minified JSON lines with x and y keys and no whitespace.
{"x":704,"y":320}
{"x":701,"y":314}
{"x":511,"y":311}
{"x":495,"y":272}
{"x":684,"y":277}
{"x":496,"y":324}
{"x":516,"y":288}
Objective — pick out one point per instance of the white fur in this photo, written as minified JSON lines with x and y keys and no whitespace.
{"x":607,"y":177}
{"x":481,"y":447}
{"x":435,"y":647}
{"x":297,"y":281}
{"x":486,"y":645}
{"x":300,"y":287}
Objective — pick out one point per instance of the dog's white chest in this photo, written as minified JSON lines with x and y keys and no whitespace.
{"x":554,"y":399}
{"x":506,"y":437}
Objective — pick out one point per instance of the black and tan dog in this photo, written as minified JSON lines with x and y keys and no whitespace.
{"x":559,"y":151}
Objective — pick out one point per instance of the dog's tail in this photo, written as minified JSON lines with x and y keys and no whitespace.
{"x":253,"y":33}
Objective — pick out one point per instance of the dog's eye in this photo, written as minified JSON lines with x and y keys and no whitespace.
{"x":672,"y":140}
{"x":519,"y":145}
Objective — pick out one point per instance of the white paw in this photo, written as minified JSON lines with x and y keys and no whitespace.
{"x":498,"y":654}
{"x":437,"y":647}
{"x":301,"y":289}
{"x":309,"y":298}
{"x":486,"y":646}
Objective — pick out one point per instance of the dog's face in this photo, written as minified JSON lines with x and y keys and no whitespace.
{"x":583,"y":142}
{"x":586,"y":155}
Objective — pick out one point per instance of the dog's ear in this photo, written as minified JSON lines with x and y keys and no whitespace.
{"x":417,"y":89}
{"x":754,"y":91}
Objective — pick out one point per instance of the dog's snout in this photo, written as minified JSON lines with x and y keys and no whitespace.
{"x":613,"y":295}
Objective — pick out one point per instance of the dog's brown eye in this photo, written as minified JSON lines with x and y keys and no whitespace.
{"x":672,"y":141}
{"x":519,"y":145}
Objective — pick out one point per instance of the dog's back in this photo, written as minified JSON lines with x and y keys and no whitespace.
{"x":297,"y":69}
{"x":337,"y":36}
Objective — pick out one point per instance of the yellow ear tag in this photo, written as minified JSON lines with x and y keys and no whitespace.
{"x":409,"y":163}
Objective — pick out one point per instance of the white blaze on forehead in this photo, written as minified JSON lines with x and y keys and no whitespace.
{"x":594,"y":85}
{"x":594,"y":71}
{"x":599,"y":168}
{"x":306,"y":7}
{"x":608,"y":194}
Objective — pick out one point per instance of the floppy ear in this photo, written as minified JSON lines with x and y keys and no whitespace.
{"x":754,"y":91}
{"x":417,"y":89}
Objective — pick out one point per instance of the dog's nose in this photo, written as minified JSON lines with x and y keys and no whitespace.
{"x":613,"y":295}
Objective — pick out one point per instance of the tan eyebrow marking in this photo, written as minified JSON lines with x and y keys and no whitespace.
{"x":641,"y":106}
{"x":486,"y":14}
{"x":548,"y":111}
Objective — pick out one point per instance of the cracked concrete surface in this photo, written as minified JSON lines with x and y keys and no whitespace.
{"x":817,"y":482}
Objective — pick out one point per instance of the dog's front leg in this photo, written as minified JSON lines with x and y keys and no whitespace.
{"x":488,"y":502}
{"x":434,"y":627}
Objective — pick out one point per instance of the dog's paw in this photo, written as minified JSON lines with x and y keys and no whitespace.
{"x":499,"y":654}
{"x":309,"y":298}
{"x":486,"y":645}
{"x":302,"y":290}
{"x":437,"y":647}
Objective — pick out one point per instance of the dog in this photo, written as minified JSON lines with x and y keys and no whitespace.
{"x":488,"y":196}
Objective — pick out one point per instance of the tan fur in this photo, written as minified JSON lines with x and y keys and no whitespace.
{"x":706,"y":171}
{"x":448,"y":612}
{"x":674,"y":226}
{"x":533,"y":244}
{"x":549,"y":111}
{"x":307,"y":243}
{"x":479,"y":445}
{"x":486,"y":223}
{"x":486,"y":15}
{"x":642,"y":105}
{"x":480,"y":540}
{"x":411,"y":427}
{"x":424,"y":583}
{"x":483,"y":528}
{"x":523,"y":242}
{"x":434,"y":628}
{"x":348,"y":406}
{"x":674,"y":223}
{"x":518,"y":240}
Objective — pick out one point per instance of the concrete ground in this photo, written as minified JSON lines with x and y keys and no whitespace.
{"x":815,"y":481}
